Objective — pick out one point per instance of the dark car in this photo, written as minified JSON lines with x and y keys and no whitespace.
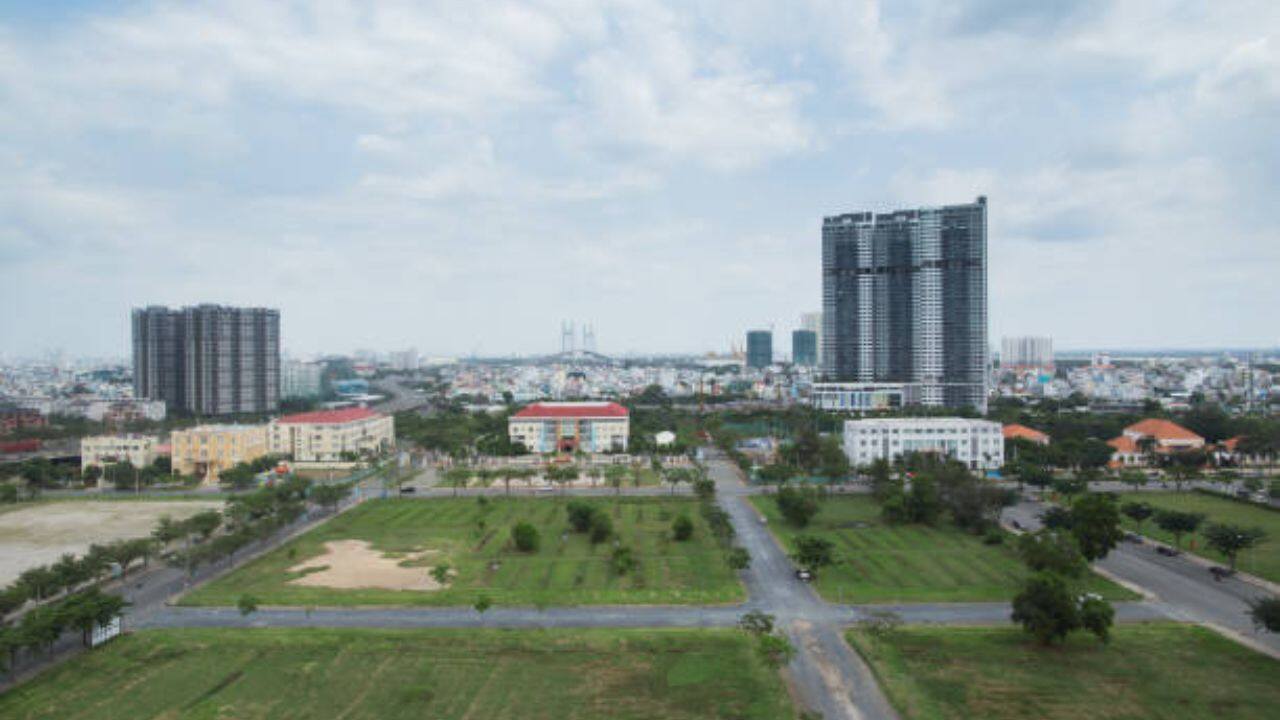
{"x":1133,"y":537}
{"x":408,"y":490}
{"x":1220,"y":572}
{"x":1167,"y":551}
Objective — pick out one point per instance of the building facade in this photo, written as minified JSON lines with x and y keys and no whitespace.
{"x":979,"y":444}
{"x":300,"y":380}
{"x":804,"y":348}
{"x":1026,"y":353}
{"x":208,"y":360}
{"x":332,"y":435}
{"x":103,"y":450}
{"x":567,"y":427}
{"x":206,"y":450}
{"x":904,"y":300}
{"x":759,"y":349}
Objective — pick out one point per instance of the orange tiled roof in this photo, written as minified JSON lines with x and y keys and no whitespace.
{"x":1022,"y":431}
{"x":1124,"y":444}
{"x":1162,"y":430}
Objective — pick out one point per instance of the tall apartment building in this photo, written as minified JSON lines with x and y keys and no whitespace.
{"x":300,"y":379}
{"x":208,"y":359}
{"x":812,"y":321}
{"x":1026,"y":353}
{"x":759,"y":349}
{"x":904,"y":301}
{"x":804,"y":348}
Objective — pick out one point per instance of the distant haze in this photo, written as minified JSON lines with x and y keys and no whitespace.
{"x":460,"y":177}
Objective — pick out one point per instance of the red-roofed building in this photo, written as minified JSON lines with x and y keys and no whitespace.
{"x":546,"y":427}
{"x":327,"y":436}
{"x":1022,"y":432}
{"x":1163,"y":436}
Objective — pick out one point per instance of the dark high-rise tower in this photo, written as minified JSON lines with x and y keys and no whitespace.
{"x":759,"y":349}
{"x":904,"y":298}
{"x":804,"y":347}
{"x":208,"y":359}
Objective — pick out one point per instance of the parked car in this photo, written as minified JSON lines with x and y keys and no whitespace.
{"x":408,"y":489}
{"x":804,"y":575}
{"x":1220,"y":572}
{"x":1133,"y":537}
{"x":1167,"y":551}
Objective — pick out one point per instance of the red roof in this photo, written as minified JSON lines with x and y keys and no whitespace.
{"x":1162,"y":430}
{"x":1026,"y":433}
{"x":329,"y":417}
{"x":1124,"y":444}
{"x":572,"y":410}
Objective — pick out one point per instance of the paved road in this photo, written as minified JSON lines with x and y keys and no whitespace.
{"x":1184,"y":588}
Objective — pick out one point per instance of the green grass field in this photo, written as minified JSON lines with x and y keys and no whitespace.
{"x":386,"y":674}
{"x":881,"y":563}
{"x":1263,"y":561}
{"x":568,"y":571}
{"x":1157,"y":671}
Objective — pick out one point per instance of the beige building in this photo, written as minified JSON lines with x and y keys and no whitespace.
{"x":332,"y":435}
{"x":205,"y":451}
{"x":568,"y":427}
{"x":102,"y":450}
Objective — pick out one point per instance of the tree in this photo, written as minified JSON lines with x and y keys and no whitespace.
{"x":738,"y":558}
{"x":623,"y":560}
{"x":704,"y":488}
{"x":1231,"y":539}
{"x":440,"y":573}
{"x":1265,"y":613}
{"x":884,"y":484}
{"x":1046,"y":609}
{"x":580,"y":514}
{"x":1178,"y":523}
{"x":247,"y":605}
{"x":775,"y":650}
{"x":1052,"y":551}
{"x":328,"y":496}
{"x":1035,"y":475}
{"x":1133,"y":478}
{"x":92,"y":474}
{"x":797,"y":505}
{"x":757,"y":623}
{"x":457,"y":477}
{"x":483,"y":603}
{"x":205,"y":523}
{"x":1095,"y":523}
{"x":601,"y":528}
{"x":1139,"y":512}
{"x":525,"y":537}
{"x":812,"y":552}
{"x":1097,"y":616}
{"x":682,"y":528}
{"x":1071,"y":486}
{"x":615,"y":475}
{"x":923,"y":505}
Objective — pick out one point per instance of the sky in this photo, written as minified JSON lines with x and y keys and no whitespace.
{"x":460,"y":177}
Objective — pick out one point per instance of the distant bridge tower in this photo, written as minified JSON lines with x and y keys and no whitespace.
{"x":589,"y":338}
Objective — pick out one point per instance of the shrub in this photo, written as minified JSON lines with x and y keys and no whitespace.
{"x":993,"y":536}
{"x":623,"y":561}
{"x":601,"y":528}
{"x":682,"y":528}
{"x":738,"y":558}
{"x":580,"y":514}
{"x":525,"y":537}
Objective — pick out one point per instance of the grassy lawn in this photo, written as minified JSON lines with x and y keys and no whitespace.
{"x":1179,"y":672}
{"x":568,"y":571}
{"x":881,"y":563}
{"x":381,"y":674}
{"x":1263,"y":561}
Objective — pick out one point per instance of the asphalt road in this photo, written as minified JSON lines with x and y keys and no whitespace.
{"x":1184,"y":588}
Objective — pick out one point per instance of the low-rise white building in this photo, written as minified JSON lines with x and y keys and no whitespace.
{"x":326,"y":435}
{"x":979,"y":444}
{"x":102,"y":450}
{"x":571,"y":427}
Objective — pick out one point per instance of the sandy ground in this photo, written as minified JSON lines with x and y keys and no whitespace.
{"x":42,"y":533}
{"x":350,"y":564}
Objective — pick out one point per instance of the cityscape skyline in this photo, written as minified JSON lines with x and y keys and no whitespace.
{"x":653,"y":163}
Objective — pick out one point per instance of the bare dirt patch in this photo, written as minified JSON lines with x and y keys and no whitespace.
{"x":354,"y":564}
{"x":40,"y":534}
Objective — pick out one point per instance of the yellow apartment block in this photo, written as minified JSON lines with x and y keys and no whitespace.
{"x":205,"y":451}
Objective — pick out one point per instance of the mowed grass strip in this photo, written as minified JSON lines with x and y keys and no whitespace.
{"x":1160,"y":670}
{"x":566,"y":570}
{"x":1263,"y":561}
{"x":389,"y":674}
{"x":876,"y":562}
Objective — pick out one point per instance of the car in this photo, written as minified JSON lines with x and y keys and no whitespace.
{"x":1016,"y":525}
{"x":408,"y":489}
{"x":1167,"y":551}
{"x":1220,"y":572}
{"x":804,"y":575}
{"x":764,"y":520}
{"x":1133,"y":537}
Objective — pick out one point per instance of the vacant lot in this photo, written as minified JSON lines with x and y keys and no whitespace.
{"x":880,"y":563}
{"x":38,"y":534}
{"x":1179,"y":672}
{"x":474,"y":540}
{"x":439,"y":674}
{"x":1263,"y":561}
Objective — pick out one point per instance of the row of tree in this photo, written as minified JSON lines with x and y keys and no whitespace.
{"x":68,"y":573}
{"x":40,"y":628}
{"x":1228,"y":539}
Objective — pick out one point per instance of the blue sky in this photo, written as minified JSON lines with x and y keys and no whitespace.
{"x":461,"y":176}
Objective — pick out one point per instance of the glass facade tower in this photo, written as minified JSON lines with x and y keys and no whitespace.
{"x":904,"y":298}
{"x":759,"y":349}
